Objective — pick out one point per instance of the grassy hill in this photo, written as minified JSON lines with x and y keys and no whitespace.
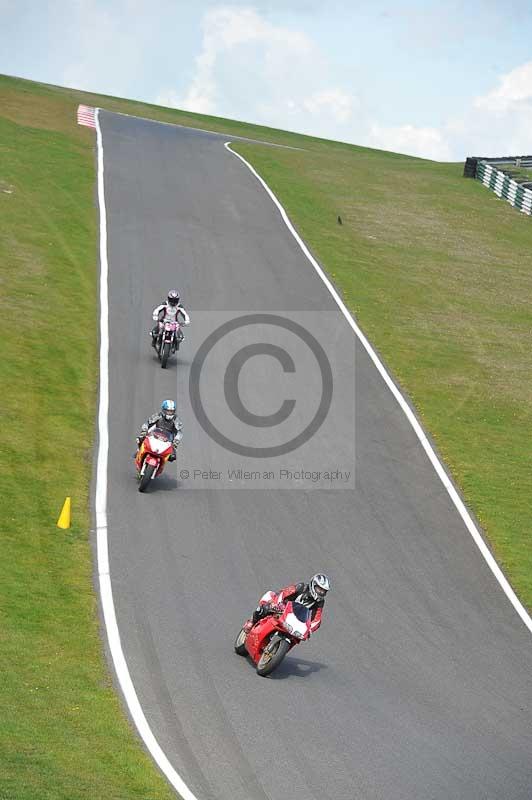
{"x":435,"y":267}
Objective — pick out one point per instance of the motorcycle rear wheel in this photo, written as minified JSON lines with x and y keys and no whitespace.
{"x":146,"y":478}
{"x":240,"y":643}
{"x":164,"y":354}
{"x":273,"y":654}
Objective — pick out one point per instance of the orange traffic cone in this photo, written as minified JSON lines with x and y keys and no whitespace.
{"x":64,"y":516}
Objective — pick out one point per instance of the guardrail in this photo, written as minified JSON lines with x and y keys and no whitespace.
{"x":512,"y":183}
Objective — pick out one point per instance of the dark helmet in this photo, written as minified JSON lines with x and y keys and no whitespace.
{"x":173,"y":297}
{"x":319,"y":585}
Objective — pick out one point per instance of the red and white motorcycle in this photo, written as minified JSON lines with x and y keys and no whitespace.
{"x":152,"y":455}
{"x":270,"y":639}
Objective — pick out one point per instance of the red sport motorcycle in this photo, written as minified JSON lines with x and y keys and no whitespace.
{"x":152,"y":455}
{"x":270,"y":639}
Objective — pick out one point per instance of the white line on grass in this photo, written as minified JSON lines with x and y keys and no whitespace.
{"x":455,"y":497}
{"x":106,"y":593}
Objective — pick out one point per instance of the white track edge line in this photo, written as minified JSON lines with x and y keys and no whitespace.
{"x":436,"y":463}
{"x":106,"y":593}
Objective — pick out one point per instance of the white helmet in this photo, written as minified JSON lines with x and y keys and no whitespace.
{"x":319,"y":585}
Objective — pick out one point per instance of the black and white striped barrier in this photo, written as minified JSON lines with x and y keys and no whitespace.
{"x":510,"y":190}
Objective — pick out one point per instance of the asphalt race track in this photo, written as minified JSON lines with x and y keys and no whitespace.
{"x":419,"y":683}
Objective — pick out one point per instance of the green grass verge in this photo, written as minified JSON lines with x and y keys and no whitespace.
{"x":437,"y":270}
{"x":63,"y":734}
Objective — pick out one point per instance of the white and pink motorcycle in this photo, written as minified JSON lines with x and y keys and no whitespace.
{"x":168,"y":340}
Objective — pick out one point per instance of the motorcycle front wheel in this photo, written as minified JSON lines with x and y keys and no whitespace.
{"x":164,"y":355}
{"x":273,"y":654}
{"x":146,"y":478}
{"x":240,"y":643}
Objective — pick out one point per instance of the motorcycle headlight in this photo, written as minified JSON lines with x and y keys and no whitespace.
{"x":297,"y":634}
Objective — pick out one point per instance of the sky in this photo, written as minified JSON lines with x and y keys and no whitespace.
{"x":440,"y":79}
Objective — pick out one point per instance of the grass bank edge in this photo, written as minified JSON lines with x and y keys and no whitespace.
{"x":64,"y":731}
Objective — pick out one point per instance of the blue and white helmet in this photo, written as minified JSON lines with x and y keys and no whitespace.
{"x":168,"y":410}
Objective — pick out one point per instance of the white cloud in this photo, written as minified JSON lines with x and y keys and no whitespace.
{"x":225,"y":31}
{"x":333,"y":101}
{"x":250,"y":68}
{"x":499,"y":122}
{"x":514,"y":92}
{"x":422,"y":142}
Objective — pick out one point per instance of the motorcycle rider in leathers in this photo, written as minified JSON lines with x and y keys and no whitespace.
{"x":311,"y":594}
{"x":169,"y":311}
{"x":166,"y":420}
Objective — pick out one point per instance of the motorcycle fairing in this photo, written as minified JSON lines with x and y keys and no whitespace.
{"x":160,"y":446}
{"x":293,"y":625}
{"x":258,"y":637}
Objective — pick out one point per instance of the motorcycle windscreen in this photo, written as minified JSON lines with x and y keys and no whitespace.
{"x":163,"y":435}
{"x":297,"y":620}
{"x":301,"y":612}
